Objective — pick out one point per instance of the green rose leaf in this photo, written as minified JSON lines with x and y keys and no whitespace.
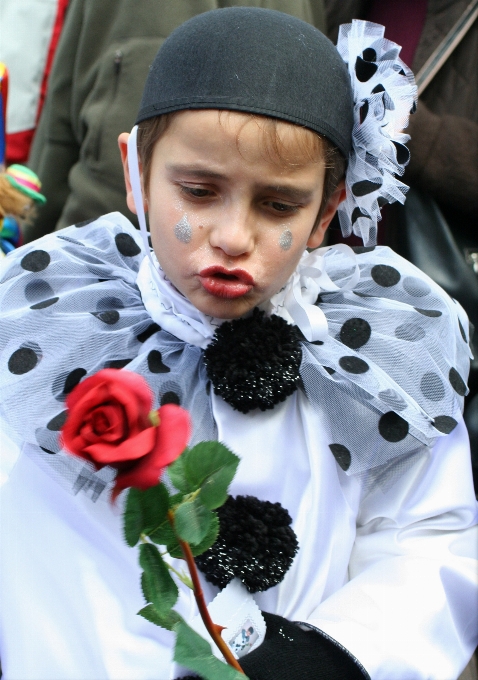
{"x":208,"y":540}
{"x":165,"y":620}
{"x":192,"y":521}
{"x":158,"y":586}
{"x":194,"y":652}
{"x":155,"y":505}
{"x":211,"y":466}
{"x":133,"y":517}
{"x":163,"y":534}
{"x":174,"y":549}
{"x":177,"y":473}
{"x":144,"y":511}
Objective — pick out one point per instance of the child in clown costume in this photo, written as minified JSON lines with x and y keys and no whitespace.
{"x":336,"y":375}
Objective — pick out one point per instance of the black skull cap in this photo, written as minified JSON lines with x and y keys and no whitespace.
{"x":254,"y":60}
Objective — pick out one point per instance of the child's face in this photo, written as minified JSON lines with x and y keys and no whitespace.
{"x":228,"y":224}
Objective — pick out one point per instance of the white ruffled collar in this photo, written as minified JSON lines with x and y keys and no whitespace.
{"x":295,"y":302}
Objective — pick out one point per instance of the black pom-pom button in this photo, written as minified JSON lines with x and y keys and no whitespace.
{"x":254,"y":362}
{"x":255,"y":544}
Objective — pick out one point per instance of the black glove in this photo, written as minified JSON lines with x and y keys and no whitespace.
{"x":291,"y":653}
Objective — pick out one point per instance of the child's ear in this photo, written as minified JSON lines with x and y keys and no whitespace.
{"x":123,"y":147}
{"x":329,"y":211}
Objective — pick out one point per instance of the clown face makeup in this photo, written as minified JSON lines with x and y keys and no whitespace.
{"x":238,"y":202}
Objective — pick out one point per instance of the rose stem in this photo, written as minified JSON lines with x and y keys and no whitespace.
{"x":211,"y":627}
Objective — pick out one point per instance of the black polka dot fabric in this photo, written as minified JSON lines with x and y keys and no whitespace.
{"x":384,"y":275}
{"x":389,"y":376}
{"x":364,"y":69}
{"x":35,"y":261}
{"x":366,"y":186}
{"x":398,"y":378}
{"x":432,"y":386}
{"x":341,"y":455}
{"x":23,"y":360}
{"x":445,"y":424}
{"x":353,"y":364}
{"x":155,"y":362}
{"x":45,"y":303}
{"x":64,"y":383}
{"x":392,"y":427}
{"x":457,"y":382}
{"x":69,"y":307}
{"x":170,"y":397}
{"x":126,"y":245}
{"x":355,"y":332}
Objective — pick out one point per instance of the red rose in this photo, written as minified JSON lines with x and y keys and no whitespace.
{"x":110,"y":423}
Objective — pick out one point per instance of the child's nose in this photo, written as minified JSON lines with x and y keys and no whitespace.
{"x":233,"y":233}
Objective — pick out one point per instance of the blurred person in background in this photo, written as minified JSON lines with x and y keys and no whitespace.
{"x":29,"y":34}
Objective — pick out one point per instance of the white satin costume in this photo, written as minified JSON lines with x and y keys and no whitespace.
{"x":370,"y":457}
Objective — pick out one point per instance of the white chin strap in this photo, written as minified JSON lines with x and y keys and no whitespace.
{"x":135,"y":179}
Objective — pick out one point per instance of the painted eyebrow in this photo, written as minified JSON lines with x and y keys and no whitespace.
{"x":287,"y":192}
{"x":194,"y":171}
{"x":292,"y":193}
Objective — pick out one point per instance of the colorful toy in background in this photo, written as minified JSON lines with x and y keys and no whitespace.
{"x":19,"y":186}
{"x":19,"y":191}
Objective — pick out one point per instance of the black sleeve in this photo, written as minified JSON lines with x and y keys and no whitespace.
{"x":291,"y":653}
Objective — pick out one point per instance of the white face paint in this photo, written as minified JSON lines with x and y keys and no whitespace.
{"x":285,"y":240}
{"x":183,"y":230}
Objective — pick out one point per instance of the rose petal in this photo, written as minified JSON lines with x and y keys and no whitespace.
{"x":113,"y":419}
{"x":132,"y":449}
{"x":174,"y":433}
{"x":131,"y":384}
{"x":172,"y":437}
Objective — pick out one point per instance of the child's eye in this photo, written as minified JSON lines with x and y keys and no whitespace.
{"x":282,"y":208}
{"x":195,"y":192}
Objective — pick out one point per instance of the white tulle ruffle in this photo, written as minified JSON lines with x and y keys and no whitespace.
{"x":384,"y":96}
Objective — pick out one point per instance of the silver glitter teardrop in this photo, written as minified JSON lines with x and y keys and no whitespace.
{"x":285,"y":240}
{"x":183,"y":230}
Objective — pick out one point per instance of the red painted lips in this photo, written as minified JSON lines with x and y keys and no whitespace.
{"x":226,"y":283}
